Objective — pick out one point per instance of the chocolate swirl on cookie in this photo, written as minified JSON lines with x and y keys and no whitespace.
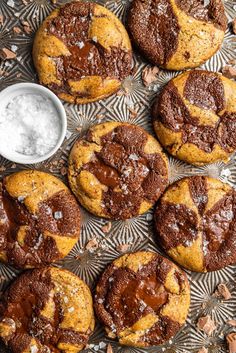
{"x":120,"y":167}
{"x":46,"y":311}
{"x":90,"y":52}
{"x":196,"y":221}
{"x":177,"y":34}
{"x":135,"y":296}
{"x":195,"y":117}
{"x":39,"y":219}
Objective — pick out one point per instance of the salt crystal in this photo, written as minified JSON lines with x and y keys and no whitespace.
{"x":149,"y":217}
{"x":58,"y":215}
{"x":71,"y":309}
{"x":39,"y":242}
{"x":68,"y":134}
{"x":95,"y":39}
{"x":133,"y":157}
{"x":80,"y":44}
{"x":33,"y":349}
{"x":21,"y":198}
{"x":90,"y":56}
{"x":10,"y":3}
{"x":102,"y":345}
{"x":14,"y":48}
{"x":225,"y":173}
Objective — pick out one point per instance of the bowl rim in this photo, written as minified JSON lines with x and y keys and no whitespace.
{"x":61,"y":113}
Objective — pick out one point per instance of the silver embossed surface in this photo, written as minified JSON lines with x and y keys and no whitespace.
{"x":137,"y":232}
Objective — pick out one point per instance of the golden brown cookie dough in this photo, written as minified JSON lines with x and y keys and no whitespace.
{"x":177,"y":34}
{"x":82,"y":52}
{"x":117,"y":170}
{"x":195,"y":117}
{"x":142,"y":299}
{"x":39,"y":219}
{"x":196,"y":223}
{"x":47,"y":310}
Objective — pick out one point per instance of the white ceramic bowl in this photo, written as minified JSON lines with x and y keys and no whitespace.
{"x":21,"y":88}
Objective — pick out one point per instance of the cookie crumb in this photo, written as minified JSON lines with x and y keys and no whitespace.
{"x":120,"y":93}
{"x":17,"y":30}
{"x":203,"y":350}
{"x":109,"y":348}
{"x":223,"y":291}
{"x":231,"y":340}
{"x":132,"y":113}
{"x":122,"y":248}
{"x":92,"y":244}
{"x":232,"y":62}
{"x":2,"y":278}
{"x":1,"y":20}
{"x":106,"y":227}
{"x":2,"y":168}
{"x":231,"y":323}
{"x":6,"y":54}
{"x":206,"y":324}
{"x":53,"y":1}
{"x":234,"y":26}
{"x":26,"y":27}
{"x":100,"y":116}
{"x":77,"y":257}
{"x":149,"y":75}
{"x":63,"y":171}
{"x":229,"y":71}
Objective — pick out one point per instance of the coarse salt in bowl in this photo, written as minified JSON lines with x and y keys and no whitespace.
{"x":32,"y":123}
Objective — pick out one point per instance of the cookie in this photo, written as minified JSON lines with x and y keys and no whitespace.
{"x":117,"y":170}
{"x":142,"y":299}
{"x":177,"y":34}
{"x":46,"y":310}
{"x":39,"y":219}
{"x":82,"y":52}
{"x":195,"y":117}
{"x":196,"y":223}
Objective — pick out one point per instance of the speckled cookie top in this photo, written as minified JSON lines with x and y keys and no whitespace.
{"x":167,"y":31}
{"x":197,"y":217}
{"x":46,"y":311}
{"x":208,"y":11}
{"x":137,"y":290}
{"x":125,"y":162}
{"x":40,"y":219}
{"x":200,"y":108}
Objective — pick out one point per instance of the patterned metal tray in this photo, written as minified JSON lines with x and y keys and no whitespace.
{"x":137,"y":232}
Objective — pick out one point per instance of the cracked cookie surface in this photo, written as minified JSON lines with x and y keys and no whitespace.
{"x":177,"y":34}
{"x":82,"y":52}
{"x":195,"y":117}
{"x":46,"y":310}
{"x":142,"y":299}
{"x":195,"y":221}
{"x":117,"y":170}
{"x":39,"y":219}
